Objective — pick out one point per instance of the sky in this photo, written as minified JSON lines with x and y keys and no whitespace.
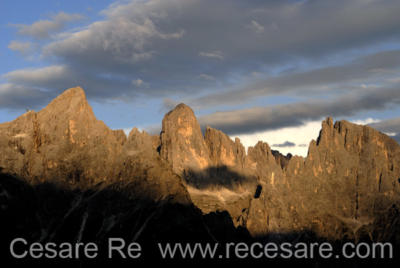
{"x":259,"y":70}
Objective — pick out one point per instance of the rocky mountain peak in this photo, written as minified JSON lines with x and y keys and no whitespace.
{"x":64,"y":141}
{"x":141,"y":142}
{"x":328,"y":122}
{"x":70,"y":112}
{"x":326,"y":131}
{"x":182,"y":108}
{"x":224,"y":151}
{"x":70,"y":115}
{"x":351,"y":171}
{"x":182,"y":142}
{"x":74,"y":92}
{"x":71,"y":100}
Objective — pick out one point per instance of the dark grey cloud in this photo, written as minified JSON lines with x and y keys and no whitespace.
{"x":168,"y":104}
{"x":285,"y":144}
{"x":20,"y":97}
{"x":181,"y":49}
{"x":295,"y":114}
{"x":58,"y":78}
{"x":171,"y":43}
{"x":331,"y":79}
{"x":388,"y":126}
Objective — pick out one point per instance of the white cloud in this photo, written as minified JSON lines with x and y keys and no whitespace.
{"x":255,"y":26}
{"x":207,"y":77}
{"x":120,"y":40}
{"x":127,"y":131}
{"x":300,"y":136}
{"x":23,"y":48}
{"x":212,"y":54}
{"x":38,"y":75}
{"x":42,"y":29}
{"x":138,"y":82}
{"x":366,"y":121}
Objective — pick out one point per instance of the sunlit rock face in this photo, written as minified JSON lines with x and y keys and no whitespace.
{"x":212,"y":166}
{"x":348,"y":179}
{"x":224,"y":151}
{"x":182,"y":143}
{"x":65,"y":143}
{"x":347,"y":187}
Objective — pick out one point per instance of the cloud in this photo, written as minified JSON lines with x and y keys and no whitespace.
{"x":285,"y":144}
{"x":42,"y":29}
{"x":366,"y":121}
{"x":184,"y":50}
{"x":378,"y":66}
{"x":390,"y":126}
{"x":295,"y":114}
{"x":37,"y":76}
{"x":207,"y":77}
{"x":139,"y":83}
{"x":123,"y":39}
{"x":212,"y":54}
{"x":20,"y":97}
{"x":171,"y":46}
{"x":127,"y":131}
{"x":256,"y":27}
{"x":169,"y":104}
{"x":53,"y":80}
{"x":24,"y":48}
{"x":397,"y":138}
{"x":309,"y":131}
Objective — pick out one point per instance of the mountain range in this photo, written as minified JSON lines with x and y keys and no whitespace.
{"x":66,"y":176}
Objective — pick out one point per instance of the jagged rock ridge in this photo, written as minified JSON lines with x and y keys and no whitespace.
{"x":349,"y":178}
{"x":341,"y":189}
{"x":64,"y":143}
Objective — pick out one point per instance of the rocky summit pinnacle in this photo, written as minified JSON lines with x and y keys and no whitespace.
{"x":347,"y":187}
{"x":182,"y":143}
{"x":71,"y":100}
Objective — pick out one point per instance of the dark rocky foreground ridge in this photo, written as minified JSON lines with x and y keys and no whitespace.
{"x":65,"y":176}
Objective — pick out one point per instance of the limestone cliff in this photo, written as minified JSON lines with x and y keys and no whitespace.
{"x":64,"y":143}
{"x":182,"y":142}
{"x":60,"y":142}
{"x":224,"y":151}
{"x":212,"y":166}
{"x":344,"y":188}
{"x":348,"y":179}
